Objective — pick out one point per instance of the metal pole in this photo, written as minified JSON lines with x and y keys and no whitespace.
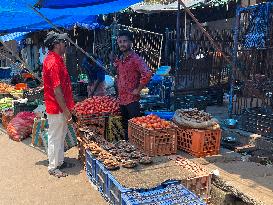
{"x":113,"y":40}
{"x":94,"y":32}
{"x":234,"y":61}
{"x":70,"y":40}
{"x":177,"y":56}
{"x":185,"y":34}
{"x":166,"y":46}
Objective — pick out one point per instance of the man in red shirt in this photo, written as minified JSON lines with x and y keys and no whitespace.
{"x":133,"y":75}
{"x":58,"y":100}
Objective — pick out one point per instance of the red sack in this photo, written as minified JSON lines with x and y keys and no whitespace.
{"x":20,"y":127}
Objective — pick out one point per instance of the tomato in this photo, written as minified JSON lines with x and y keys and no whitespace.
{"x":144,"y":125}
{"x":98,"y":105}
{"x":151,"y":122}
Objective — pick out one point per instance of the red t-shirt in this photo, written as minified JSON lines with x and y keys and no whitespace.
{"x":55,"y":74}
{"x":132,"y":71}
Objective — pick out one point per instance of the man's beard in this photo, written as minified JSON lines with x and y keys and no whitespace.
{"x":123,"y":50}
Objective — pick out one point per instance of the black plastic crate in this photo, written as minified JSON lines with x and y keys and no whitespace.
{"x":190,"y":101}
{"x":35,"y":94}
{"x":257,"y":120}
{"x":214,"y":96}
{"x":24,"y":107}
{"x":82,"y":89}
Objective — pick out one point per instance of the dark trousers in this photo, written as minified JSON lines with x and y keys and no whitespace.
{"x":128,"y":112}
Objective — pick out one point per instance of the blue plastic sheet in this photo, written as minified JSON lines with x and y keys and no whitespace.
{"x":53,"y":4}
{"x":18,"y":23}
{"x":13,"y":36}
{"x":16,"y":15}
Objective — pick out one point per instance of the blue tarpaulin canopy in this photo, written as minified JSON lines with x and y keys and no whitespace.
{"x":16,"y":15}
{"x":70,"y":4}
{"x":13,"y":36}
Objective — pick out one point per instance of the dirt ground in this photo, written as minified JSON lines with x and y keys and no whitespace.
{"x":24,"y":178}
{"x":249,"y":181}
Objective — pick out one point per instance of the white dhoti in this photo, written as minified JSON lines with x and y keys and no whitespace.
{"x":56,"y":135}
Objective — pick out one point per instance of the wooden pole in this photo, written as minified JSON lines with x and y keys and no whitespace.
{"x":233,"y":63}
{"x":70,"y":40}
{"x":205,"y":32}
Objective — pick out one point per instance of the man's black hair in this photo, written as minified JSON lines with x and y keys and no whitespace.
{"x":126,"y":33}
{"x":51,"y":47}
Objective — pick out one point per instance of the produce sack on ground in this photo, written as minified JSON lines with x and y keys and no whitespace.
{"x":20,"y":127}
{"x":193,"y":118}
{"x":38,"y":128}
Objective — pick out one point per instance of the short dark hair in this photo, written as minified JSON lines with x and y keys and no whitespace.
{"x":51,"y":46}
{"x":126,"y":33}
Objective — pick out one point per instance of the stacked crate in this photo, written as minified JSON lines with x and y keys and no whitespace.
{"x":199,"y":143}
{"x":200,"y":184}
{"x":156,"y":142}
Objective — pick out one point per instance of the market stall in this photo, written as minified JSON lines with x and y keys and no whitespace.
{"x":142,"y":164}
{"x":19,"y":93}
{"x":147,"y":168}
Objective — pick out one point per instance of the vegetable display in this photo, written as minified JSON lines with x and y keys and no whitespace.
{"x":114,"y":155}
{"x":6,"y":88}
{"x":5,"y":103}
{"x":151,"y":122}
{"x":98,"y":106}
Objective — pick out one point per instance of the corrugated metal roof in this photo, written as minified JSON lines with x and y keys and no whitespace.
{"x":145,"y":7}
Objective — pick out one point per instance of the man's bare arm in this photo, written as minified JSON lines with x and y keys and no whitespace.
{"x":60,"y":99}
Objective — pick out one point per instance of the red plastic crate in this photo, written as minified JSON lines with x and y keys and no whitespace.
{"x":199,"y":143}
{"x":153,"y":142}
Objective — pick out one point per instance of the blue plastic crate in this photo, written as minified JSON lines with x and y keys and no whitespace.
{"x":115,"y":190}
{"x":171,"y":194}
{"x":101,"y":178}
{"x":191,"y":101}
{"x":163,"y":70}
{"x":5,"y":73}
{"x":162,"y":114}
{"x":90,"y":166}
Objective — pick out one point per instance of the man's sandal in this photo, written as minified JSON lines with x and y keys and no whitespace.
{"x":66,"y":165}
{"x":57,"y":173}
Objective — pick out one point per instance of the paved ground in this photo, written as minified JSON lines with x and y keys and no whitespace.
{"x":24,"y":178}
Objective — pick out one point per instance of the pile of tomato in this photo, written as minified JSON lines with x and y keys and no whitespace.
{"x":151,"y":122}
{"x":98,"y":105}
